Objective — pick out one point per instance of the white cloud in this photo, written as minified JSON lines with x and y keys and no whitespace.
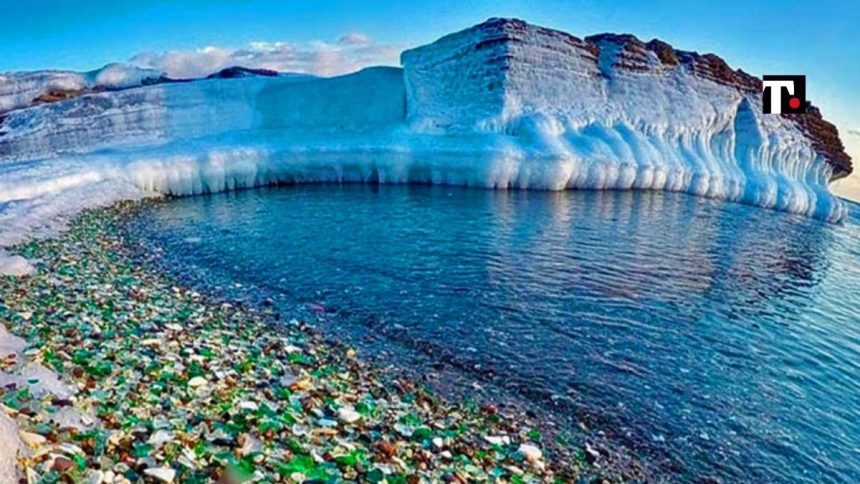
{"x":350,"y":53}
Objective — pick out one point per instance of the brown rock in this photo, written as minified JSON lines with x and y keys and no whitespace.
{"x":488,"y":408}
{"x":387,"y":448}
{"x":62,"y":464}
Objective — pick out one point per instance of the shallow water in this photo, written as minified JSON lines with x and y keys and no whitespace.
{"x":724,"y":336}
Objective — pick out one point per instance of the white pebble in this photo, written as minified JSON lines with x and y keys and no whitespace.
{"x":163,"y":474}
{"x":438,"y":443}
{"x":530,"y":452}
{"x":32,"y":440}
{"x":197,"y":381}
{"x":498,"y":440}
{"x":348,"y":415}
{"x":248,"y":405}
{"x":160,"y":437}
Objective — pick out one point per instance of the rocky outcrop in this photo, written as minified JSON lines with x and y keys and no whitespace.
{"x":623,"y":51}
{"x":239,"y":71}
{"x":825,"y":139}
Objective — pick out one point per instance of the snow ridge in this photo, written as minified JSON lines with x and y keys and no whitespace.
{"x":24,"y":89}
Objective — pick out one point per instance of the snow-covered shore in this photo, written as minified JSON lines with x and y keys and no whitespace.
{"x":500,"y":105}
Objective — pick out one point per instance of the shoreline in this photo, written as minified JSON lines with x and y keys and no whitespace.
{"x":168,"y":385}
{"x":564,"y":423}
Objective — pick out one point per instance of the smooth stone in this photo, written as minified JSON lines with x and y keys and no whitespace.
{"x":32,"y":440}
{"x":438,"y":443}
{"x":591,"y":452}
{"x":327,"y":423}
{"x":197,"y":381}
{"x":250,"y":445}
{"x":248,"y":405}
{"x":62,"y":464}
{"x":530,"y":452}
{"x":348,"y":415}
{"x":498,"y":440}
{"x":160,"y":437}
{"x":96,"y":476}
{"x":71,"y":449}
{"x":163,"y":474}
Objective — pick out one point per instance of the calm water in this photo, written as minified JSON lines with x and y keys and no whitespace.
{"x":726,"y":337}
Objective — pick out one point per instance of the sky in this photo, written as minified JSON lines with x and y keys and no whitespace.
{"x":819,"y":39}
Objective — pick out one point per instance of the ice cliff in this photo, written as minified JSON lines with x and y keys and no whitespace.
{"x":503,"y":104}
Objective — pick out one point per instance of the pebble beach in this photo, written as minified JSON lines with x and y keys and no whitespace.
{"x":111,"y":372}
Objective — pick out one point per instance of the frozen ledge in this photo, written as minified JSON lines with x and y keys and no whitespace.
{"x":503,"y":104}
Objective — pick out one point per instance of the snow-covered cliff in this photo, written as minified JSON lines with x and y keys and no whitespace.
{"x":502,"y":104}
{"x":613,"y":112}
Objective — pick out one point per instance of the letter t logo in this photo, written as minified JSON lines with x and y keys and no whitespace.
{"x":773,"y":101}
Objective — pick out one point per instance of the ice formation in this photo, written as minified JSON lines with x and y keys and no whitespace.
{"x":23,"y":89}
{"x":503,"y":104}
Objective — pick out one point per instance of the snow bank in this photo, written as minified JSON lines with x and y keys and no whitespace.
{"x":123,"y":76}
{"x":22,"y":89}
{"x":542,"y":111}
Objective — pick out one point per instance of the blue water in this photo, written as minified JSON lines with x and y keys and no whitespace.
{"x":723,"y":337}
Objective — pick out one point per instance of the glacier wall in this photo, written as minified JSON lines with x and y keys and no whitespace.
{"x":611,"y":114}
{"x":500,"y":105}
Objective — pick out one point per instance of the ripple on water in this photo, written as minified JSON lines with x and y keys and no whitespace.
{"x":724,"y":334}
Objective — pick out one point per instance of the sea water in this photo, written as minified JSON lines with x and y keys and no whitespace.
{"x":723,"y":337}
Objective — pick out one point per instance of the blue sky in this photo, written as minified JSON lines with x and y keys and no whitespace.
{"x":820,"y":39}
